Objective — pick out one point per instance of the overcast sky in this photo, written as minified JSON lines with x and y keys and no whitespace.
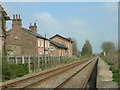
{"x":95,"y":21}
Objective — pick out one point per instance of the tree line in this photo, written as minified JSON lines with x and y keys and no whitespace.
{"x":87,"y":49}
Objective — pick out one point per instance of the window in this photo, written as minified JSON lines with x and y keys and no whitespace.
{"x":48,"y":45}
{"x":63,"y":43}
{"x":42,"y":44}
{"x":45,"y":44}
{"x":46,"y":52}
{"x":41,"y":52}
{"x":38,"y":43}
{"x":52,"y":48}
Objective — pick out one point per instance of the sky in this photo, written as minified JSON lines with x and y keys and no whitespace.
{"x":93,"y":21}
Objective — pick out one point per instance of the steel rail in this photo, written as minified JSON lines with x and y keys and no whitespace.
{"x":63,"y":83}
{"x":31,"y":77}
{"x":46,"y":78}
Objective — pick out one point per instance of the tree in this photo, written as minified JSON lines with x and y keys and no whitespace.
{"x":74,"y":46}
{"x":87,"y":48}
{"x":108,"y":47}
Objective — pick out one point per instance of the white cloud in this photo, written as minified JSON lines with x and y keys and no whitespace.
{"x":74,"y":27}
{"x":48,"y":23}
{"x":46,"y":18}
{"x":77,"y":28}
{"x":111,"y":6}
{"x":107,"y":6}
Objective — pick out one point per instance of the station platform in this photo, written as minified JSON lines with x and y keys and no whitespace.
{"x":104,"y":76}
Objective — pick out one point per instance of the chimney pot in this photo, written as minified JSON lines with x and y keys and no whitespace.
{"x":30,"y":24}
{"x":34,"y":24}
{"x":14,"y":16}
{"x":16,"y":22}
{"x":19,"y":16}
{"x":33,"y":27}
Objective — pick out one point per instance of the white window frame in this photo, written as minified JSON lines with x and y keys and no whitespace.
{"x":42,"y":42}
{"x":38,"y":43}
{"x":52,"y":48}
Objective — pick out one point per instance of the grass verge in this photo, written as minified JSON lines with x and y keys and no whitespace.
{"x":11,"y":71}
{"x":116,"y":74}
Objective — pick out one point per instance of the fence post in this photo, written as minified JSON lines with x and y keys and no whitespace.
{"x":23,"y":61}
{"x":38,"y":62}
{"x":45,"y":61}
{"x":16,"y":59}
{"x":59,"y":59}
{"x":8,"y":58}
{"x":29,"y":64}
{"x":43,"y":64}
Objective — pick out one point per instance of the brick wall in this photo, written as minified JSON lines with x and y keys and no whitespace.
{"x":41,"y":46}
{"x":67,"y":43}
{"x":55,"y":51}
{"x":28,"y":43}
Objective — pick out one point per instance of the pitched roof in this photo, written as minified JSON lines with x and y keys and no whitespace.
{"x":58,"y":44}
{"x":68,"y":39}
{"x":34,"y":33}
{"x":7,"y":17}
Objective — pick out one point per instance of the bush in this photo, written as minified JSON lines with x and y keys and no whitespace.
{"x":67,"y":60}
{"x":115,"y":71}
{"x":11,"y":71}
{"x":78,"y":56}
{"x":116,"y":75}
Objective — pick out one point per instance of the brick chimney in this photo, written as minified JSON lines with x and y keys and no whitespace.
{"x":17,"y":21}
{"x":33,"y":27}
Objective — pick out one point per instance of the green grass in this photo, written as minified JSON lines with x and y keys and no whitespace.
{"x":67,"y":60}
{"x":85,"y":57}
{"x":78,"y":58}
{"x":116,"y":75}
{"x":11,"y":71}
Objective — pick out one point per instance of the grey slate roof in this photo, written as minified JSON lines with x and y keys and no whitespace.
{"x":68,"y":39}
{"x":34,"y":33}
{"x":58,"y":44}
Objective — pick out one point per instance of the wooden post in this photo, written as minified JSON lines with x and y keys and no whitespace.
{"x":8,"y":58}
{"x":23,"y":60}
{"x":54,"y":60}
{"x":43,"y":64}
{"x":50,"y":61}
{"x":29,"y":64}
{"x":59,"y":59}
{"x":16,"y":59}
{"x":38,"y":62}
{"x":45,"y":61}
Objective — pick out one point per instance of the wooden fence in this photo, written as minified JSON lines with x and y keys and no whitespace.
{"x":36,"y":63}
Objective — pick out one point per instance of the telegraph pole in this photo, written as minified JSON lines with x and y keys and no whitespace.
{"x":44,"y":44}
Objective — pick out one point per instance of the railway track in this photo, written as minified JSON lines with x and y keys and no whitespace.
{"x":32,"y":81}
